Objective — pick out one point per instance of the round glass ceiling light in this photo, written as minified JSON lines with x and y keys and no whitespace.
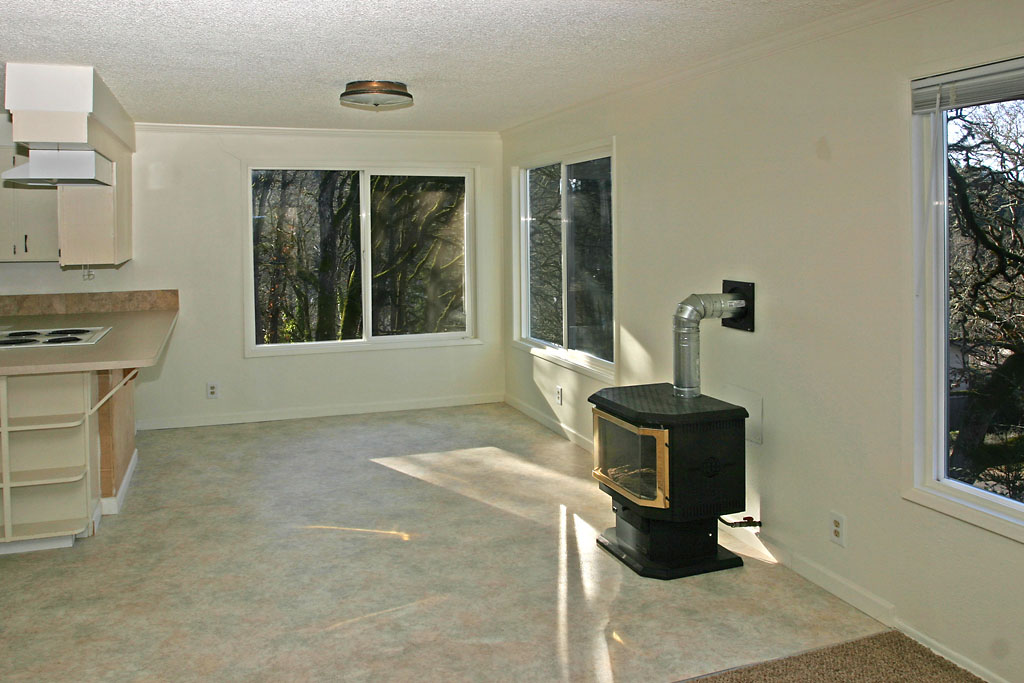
{"x":376,"y":95}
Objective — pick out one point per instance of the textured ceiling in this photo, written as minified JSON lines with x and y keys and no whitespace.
{"x":472,"y":65}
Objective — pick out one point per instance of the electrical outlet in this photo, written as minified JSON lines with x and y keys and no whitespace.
{"x":837,"y":528}
{"x":558,"y":395}
{"x":212,"y":390}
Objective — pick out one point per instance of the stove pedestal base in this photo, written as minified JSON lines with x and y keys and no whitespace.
{"x":673,"y":569}
{"x":665,"y":549}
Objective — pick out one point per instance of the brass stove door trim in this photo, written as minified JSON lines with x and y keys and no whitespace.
{"x":661,"y":439}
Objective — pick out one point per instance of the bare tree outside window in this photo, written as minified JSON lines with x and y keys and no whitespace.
{"x":985,"y":397}
{"x":568,"y":223}
{"x":306,"y":263}
{"x":544,"y":221}
{"x":308,"y":255}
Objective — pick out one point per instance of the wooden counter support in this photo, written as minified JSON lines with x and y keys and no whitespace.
{"x":117,"y":436}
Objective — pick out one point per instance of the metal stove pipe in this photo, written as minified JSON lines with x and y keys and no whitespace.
{"x":689,"y":313}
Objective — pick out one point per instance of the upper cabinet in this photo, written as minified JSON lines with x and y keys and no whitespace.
{"x":28,"y":217}
{"x":80,"y":139}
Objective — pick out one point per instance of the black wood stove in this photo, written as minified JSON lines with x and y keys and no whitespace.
{"x":672,"y":466}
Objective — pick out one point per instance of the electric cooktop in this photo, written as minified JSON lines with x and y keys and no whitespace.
{"x":61,"y":336}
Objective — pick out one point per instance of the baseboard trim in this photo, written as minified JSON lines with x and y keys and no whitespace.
{"x":844,"y":589}
{"x":36,"y":544}
{"x":555,"y":425}
{"x":955,"y":657}
{"x":315,"y":411}
{"x":869,"y":603}
{"x":113,"y":504}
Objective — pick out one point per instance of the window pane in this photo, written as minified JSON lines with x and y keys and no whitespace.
{"x":589,"y":239}
{"x":305,"y":243}
{"x":544,"y":217}
{"x":418,"y":233}
{"x":985,"y":399}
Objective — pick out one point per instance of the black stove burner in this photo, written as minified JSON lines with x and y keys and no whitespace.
{"x":65,"y":332}
{"x":61,"y":340}
{"x":24,"y":333}
{"x":15,"y":341}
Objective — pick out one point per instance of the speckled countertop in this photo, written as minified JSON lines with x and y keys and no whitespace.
{"x":140,"y":322}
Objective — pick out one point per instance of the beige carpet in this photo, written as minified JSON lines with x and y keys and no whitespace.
{"x":887,"y":657}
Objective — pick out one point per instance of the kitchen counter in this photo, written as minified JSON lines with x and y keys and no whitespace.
{"x":136,"y":340}
{"x":67,"y":416}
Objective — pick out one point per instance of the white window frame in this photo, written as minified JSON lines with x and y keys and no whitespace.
{"x":578,"y":361}
{"x":368,"y":341}
{"x":925,"y":482}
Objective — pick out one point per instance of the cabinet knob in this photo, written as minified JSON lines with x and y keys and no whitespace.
{"x":26,"y":244}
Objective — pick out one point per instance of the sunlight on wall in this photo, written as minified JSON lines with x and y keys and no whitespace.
{"x":634,"y":360}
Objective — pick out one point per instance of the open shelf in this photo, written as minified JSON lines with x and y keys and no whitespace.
{"x":23,"y":424}
{"x":57,"y":527}
{"x":49,"y":475}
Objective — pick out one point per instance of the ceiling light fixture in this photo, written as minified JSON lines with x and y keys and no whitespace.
{"x":376,"y":95}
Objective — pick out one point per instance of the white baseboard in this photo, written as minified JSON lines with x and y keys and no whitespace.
{"x":36,"y":544}
{"x":552,"y":423}
{"x":113,"y":504}
{"x":871,"y":604}
{"x":844,"y":589}
{"x":955,"y":657}
{"x":314,"y":411}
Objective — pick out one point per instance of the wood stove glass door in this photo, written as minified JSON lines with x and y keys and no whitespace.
{"x":631,"y":460}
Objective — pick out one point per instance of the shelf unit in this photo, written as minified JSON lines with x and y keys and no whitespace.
{"x":49,"y":456}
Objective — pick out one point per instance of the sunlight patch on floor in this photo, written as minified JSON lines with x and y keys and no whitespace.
{"x":400,"y":534}
{"x":501,"y":479}
{"x":416,"y":603}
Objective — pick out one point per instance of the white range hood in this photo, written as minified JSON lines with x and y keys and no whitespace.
{"x":62,"y":167}
{"x":71,"y":123}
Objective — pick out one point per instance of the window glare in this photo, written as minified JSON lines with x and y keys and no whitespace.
{"x":418,"y":234}
{"x":589,"y":240}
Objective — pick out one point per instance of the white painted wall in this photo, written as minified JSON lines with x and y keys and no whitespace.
{"x":793,"y":170}
{"x":191,"y":224}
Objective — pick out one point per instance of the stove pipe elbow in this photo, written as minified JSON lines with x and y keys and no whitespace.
{"x":686,"y":325}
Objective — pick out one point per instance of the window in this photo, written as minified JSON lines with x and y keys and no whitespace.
{"x":566,"y":243}
{"x":343,"y":256}
{"x":970,"y":130}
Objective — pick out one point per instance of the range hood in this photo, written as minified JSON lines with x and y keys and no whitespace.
{"x":62,"y":167}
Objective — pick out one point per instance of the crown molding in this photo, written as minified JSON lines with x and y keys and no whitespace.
{"x":872,"y":13}
{"x":202,"y":129}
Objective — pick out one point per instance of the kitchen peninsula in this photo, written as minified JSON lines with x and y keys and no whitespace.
{"x":67,"y":432}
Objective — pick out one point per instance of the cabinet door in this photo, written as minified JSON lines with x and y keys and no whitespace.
{"x":29,"y":218}
{"x":87,"y":218}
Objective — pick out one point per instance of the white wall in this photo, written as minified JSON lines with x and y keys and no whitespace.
{"x":191,"y":224}
{"x":793,"y":170}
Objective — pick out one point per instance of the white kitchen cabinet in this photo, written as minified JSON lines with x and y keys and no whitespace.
{"x":69,"y":107}
{"x":49,"y":456}
{"x":89,"y":231}
{"x":28,"y":217}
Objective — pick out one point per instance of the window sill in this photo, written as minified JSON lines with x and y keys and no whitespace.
{"x":577,"y":362}
{"x":970,"y":507}
{"x":303,"y":348}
